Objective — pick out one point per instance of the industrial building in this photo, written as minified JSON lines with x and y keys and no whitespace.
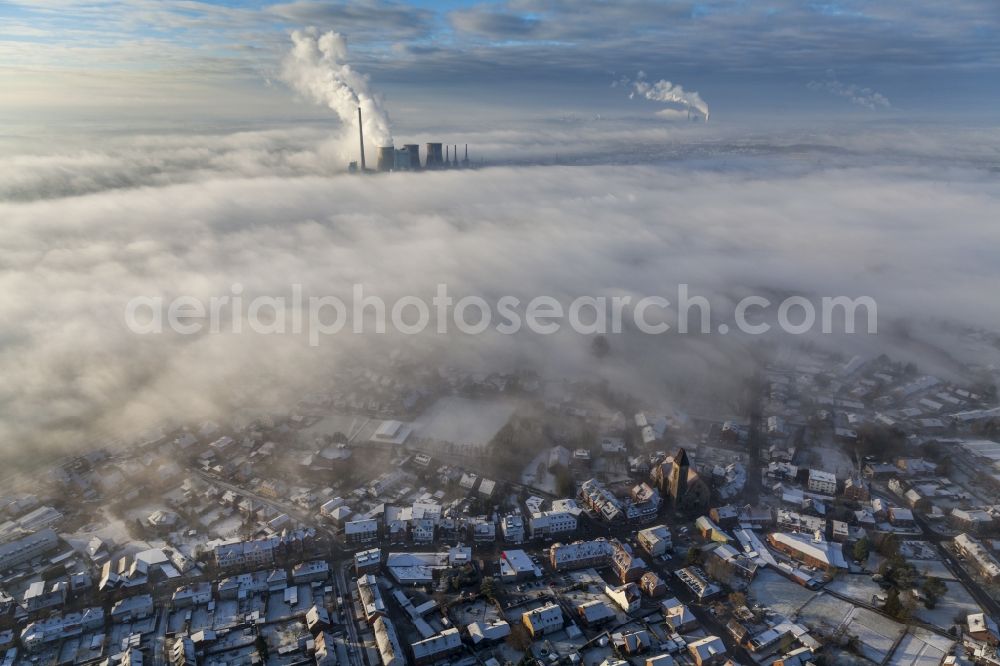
{"x":389,"y":158}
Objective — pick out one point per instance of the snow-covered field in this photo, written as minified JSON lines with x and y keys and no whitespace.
{"x":537,"y":475}
{"x":774,"y":591}
{"x":110,"y":529}
{"x":826,"y":611}
{"x":956,"y":602}
{"x":228,"y":527}
{"x":859,"y":587}
{"x":875,"y":633}
{"x":935,"y":568}
{"x":828,"y":455}
{"x":463,"y":421}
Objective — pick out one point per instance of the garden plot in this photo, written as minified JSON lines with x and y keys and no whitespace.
{"x":876,"y":634}
{"x":921,"y":648}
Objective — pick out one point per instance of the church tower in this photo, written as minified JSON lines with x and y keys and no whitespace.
{"x":679,"y":477}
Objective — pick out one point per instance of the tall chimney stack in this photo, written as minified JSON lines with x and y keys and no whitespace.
{"x":361,"y":138}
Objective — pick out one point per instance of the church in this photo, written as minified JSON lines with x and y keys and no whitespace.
{"x":677,"y":480}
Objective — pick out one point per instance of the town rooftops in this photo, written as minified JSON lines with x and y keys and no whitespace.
{"x":707,"y":648}
{"x":439,"y":644}
{"x":488,"y":631}
{"x":822,"y":476}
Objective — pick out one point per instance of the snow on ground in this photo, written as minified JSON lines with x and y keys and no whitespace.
{"x":772,"y":590}
{"x":211,"y":516}
{"x":877,"y":633}
{"x":957,"y":601}
{"x":935,"y":568}
{"x":229,"y":527}
{"x":464,"y":421}
{"x":333,"y":423}
{"x":109,"y":528}
{"x":859,"y":587}
{"x":143,"y":511}
{"x":921,"y":648}
{"x":827,"y":612}
{"x":842,"y":657}
{"x":918,"y":550}
{"x":828,"y":455}
{"x":537,"y":475}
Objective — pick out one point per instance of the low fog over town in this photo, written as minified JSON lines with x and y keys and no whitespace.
{"x":512,"y":333}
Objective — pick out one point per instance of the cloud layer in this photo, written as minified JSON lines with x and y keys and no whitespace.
{"x":89,"y":231}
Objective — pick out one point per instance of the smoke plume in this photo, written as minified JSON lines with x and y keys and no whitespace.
{"x":666,"y":92}
{"x":317,"y":68}
{"x":866,"y":97}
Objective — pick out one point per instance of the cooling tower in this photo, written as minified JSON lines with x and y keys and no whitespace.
{"x":386,"y":158}
{"x":435,"y":158}
{"x":413,"y":150}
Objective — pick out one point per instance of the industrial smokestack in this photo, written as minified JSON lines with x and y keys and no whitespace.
{"x":665,"y":91}
{"x":454,"y":155}
{"x":465,"y":160}
{"x":361,"y":138}
{"x":447,"y":157}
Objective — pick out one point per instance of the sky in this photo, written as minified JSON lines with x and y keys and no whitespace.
{"x":154,"y":61}
{"x":159,"y":149}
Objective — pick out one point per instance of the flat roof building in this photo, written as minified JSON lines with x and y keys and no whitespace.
{"x":515,"y":565}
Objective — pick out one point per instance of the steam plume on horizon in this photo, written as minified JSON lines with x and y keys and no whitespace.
{"x":666,"y":92}
{"x":859,"y":95}
{"x":317,"y":68}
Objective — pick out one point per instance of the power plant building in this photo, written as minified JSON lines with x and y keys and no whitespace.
{"x":389,"y":158}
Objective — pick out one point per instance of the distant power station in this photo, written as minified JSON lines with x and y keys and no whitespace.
{"x":407,"y":158}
